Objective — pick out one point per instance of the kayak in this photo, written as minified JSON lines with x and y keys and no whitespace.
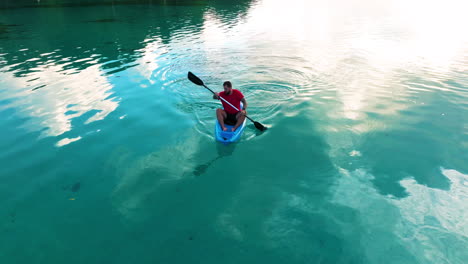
{"x":228,"y":136}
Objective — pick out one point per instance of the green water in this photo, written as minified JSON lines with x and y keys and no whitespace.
{"x":108,"y":153}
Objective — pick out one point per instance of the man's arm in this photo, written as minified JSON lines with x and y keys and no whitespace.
{"x":244,"y":102}
{"x":216,"y":96}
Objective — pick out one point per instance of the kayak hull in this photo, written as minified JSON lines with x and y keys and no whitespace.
{"x":228,"y":136}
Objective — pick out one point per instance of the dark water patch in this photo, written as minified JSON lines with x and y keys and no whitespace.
{"x":72,"y":187}
{"x":103,"y":20}
{"x":121,"y":69}
{"x":83,"y":117}
{"x":71,"y":112}
{"x":7,"y":32}
{"x":39,"y":87}
{"x":24,"y":73}
{"x":5,"y":28}
{"x":34,"y":79}
{"x":75,"y":187}
{"x":71,"y":105}
{"x":191,"y":237}
{"x":12,"y":217}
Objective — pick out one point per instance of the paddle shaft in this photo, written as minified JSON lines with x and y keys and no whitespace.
{"x":227,"y":102}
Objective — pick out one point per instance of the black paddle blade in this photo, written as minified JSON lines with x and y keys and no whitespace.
{"x":259,"y":126}
{"x":194,"y":79}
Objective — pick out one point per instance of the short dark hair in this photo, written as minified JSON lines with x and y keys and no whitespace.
{"x":228,"y":84}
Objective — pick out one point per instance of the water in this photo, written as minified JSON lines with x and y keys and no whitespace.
{"x":108,"y":154}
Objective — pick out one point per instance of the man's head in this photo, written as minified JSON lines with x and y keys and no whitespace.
{"x":227,"y":85}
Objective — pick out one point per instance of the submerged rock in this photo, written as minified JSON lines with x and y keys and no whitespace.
{"x":75,"y":187}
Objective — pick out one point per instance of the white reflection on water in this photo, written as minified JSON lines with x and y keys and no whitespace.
{"x":361,"y":48}
{"x":65,"y":94}
{"x":422,"y":221}
{"x":449,"y":208}
{"x":148,"y":62}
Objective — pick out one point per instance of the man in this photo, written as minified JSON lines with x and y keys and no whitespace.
{"x":229,"y":115}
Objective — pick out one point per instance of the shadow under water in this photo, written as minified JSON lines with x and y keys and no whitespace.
{"x":222,"y":150}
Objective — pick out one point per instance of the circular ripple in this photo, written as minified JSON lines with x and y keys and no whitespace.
{"x":267,"y":88}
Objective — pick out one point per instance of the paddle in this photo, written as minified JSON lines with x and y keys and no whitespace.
{"x":198,"y":81}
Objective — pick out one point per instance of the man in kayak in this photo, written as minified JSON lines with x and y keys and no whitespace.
{"x":229,"y":115}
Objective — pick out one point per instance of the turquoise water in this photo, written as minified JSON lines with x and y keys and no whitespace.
{"x":108,"y":153}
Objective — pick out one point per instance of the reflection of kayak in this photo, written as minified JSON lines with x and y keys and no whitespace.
{"x":228,"y":136}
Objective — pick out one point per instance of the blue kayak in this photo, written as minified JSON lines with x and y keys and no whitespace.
{"x":228,"y":136}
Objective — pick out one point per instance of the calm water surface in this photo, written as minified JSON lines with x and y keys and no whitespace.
{"x":108,"y":154}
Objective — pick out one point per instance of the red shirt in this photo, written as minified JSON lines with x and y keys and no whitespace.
{"x":234,"y":98}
